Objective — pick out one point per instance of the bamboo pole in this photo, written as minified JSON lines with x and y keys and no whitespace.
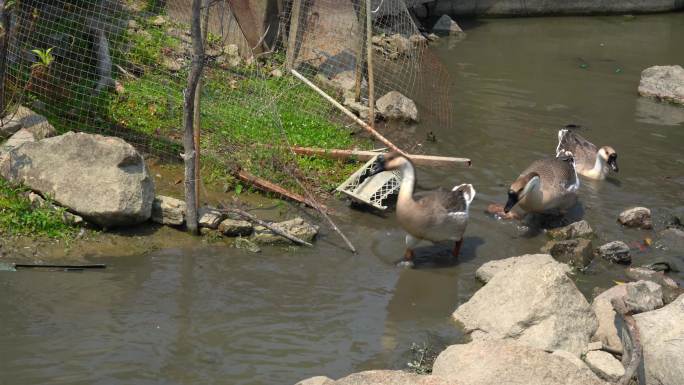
{"x":292,"y":37}
{"x":423,"y":160}
{"x":190,"y":155}
{"x":265,"y":185}
{"x":369,"y":65}
{"x":350,"y":114}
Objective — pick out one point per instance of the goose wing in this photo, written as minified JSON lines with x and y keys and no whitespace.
{"x":582,"y":150}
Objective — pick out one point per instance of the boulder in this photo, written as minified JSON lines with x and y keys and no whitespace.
{"x":641,"y":296}
{"x":575,"y":252}
{"x":318,"y":380}
{"x":604,"y":365}
{"x":662,"y":339}
{"x":636,"y":217}
{"x":576,"y":361}
{"x":445,"y":25}
{"x":535,"y":305}
{"x":669,"y":286}
{"x":663,"y":83}
{"x":616,"y":252}
{"x":209,"y":218}
{"x":20,"y":137}
{"x":297,"y":227}
{"x":394,"y":105}
{"x":103,"y":179}
{"x":168,"y":211}
{"x":8,"y":126}
{"x":491,"y":268}
{"x":235,"y":228}
{"x":37,"y":124}
{"x":387,"y":377}
{"x":580,"y":229}
{"x":496,"y":362}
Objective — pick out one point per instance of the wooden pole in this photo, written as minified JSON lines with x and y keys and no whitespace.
{"x":423,"y":160}
{"x":5,"y":23}
{"x":369,"y":64}
{"x":196,"y":122}
{"x":359,"y":54}
{"x":292,"y":37}
{"x":265,"y":185}
{"x":190,"y":155}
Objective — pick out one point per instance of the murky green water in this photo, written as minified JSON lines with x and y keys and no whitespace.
{"x":217,"y":315}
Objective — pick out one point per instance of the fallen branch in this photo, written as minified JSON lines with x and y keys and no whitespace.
{"x":635,"y":355}
{"x":427,"y":160}
{"x":267,"y":225}
{"x":263,"y":184}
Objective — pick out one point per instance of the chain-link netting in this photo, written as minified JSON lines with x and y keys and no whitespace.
{"x":119,"y":67}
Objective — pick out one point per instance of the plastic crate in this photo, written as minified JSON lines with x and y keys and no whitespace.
{"x":374,"y":190}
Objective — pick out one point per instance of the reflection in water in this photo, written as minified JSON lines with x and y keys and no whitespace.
{"x":222,"y":316}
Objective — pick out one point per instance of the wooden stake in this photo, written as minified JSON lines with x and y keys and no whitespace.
{"x":359,"y":54}
{"x":196,"y":122}
{"x":291,"y":53}
{"x":265,"y":185}
{"x":190,"y":155}
{"x":369,"y":65}
{"x":425,"y":160}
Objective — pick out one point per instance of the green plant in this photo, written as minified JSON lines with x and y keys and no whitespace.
{"x":45,"y":57}
{"x":423,"y":358}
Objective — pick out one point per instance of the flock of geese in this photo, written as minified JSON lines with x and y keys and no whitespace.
{"x":547,"y":186}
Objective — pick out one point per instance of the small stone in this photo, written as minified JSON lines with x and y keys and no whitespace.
{"x":596,"y":345}
{"x":168,"y":211}
{"x":9,"y":126}
{"x":132,"y":24}
{"x":395,"y":105}
{"x":246,"y":244}
{"x":172,"y":64}
{"x":119,"y":88}
{"x":604,"y":365}
{"x":159,"y":21}
{"x":576,"y":252}
{"x":72,"y":219}
{"x":580,"y":229}
{"x":418,"y":40}
{"x":669,"y":286}
{"x":277,"y":73}
{"x":235,"y":228}
{"x":37,"y":201}
{"x":210,"y":218}
{"x":616,"y":252}
{"x":636,"y":217}
{"x":296,"y":227}
{"x":643,"y":296}
{"x":433,"y":37}
{"x":447,"y":26}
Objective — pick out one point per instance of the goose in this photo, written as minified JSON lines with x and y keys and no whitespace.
{"x":434,"y":216}
{"x":547,"y":186}
{"x":591,"y":161}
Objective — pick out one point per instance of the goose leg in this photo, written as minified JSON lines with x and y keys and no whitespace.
{"x":457,"y":248}
{"x":411,"y":242}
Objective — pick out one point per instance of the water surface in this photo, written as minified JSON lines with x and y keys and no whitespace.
{"x":216,"y":315}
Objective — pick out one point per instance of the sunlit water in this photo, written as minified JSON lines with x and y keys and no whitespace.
{"x":217,"y":315}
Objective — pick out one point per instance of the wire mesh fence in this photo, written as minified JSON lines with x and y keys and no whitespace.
{"x":119,"y":67}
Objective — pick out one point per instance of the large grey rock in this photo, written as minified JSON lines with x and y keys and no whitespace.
{"x":605,"y":365}
{"x":636,"y":217}
{"x":575,"y":252}
{"x":168,"y":211}
{"x":445,"y":25}
{"x":616,"y":252}
{"x":535,"y":305}
{"x":671,"y":289}
{"x":491,"y":268}
{"x":103,"y":179}
{"x":638,"y":296}
{"x":671,"y":239}
{"x":8,"y":126}
{"x":663,"y":83}
{"x":20,"y":137}
{"x":380,"y":377}
{"x":235,"y":228}
{"x":662,"y":339}
{"x":497,"y":362}
{"x":297,"y":227}
{"x":394,"y":105}
{"x":580,"y":229}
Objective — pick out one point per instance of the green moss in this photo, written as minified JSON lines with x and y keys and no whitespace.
{"x":17,"y":217}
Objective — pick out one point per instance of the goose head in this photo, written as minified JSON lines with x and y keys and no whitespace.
{"x":609,"y":156}
{"x":387,"y":162}
{"x":520,"y":188}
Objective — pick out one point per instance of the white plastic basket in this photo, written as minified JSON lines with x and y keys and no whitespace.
{"x":374,"y":190}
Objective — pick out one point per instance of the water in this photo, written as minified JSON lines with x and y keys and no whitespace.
{"x":217,"y":315}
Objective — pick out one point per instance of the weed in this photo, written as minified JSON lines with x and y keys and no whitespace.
{"x":423,"y":358}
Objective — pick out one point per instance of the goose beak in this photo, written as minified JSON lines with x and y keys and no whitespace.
{"x":512,"y":201}
{"x":612,"y":162}
{"x":377,"y":167}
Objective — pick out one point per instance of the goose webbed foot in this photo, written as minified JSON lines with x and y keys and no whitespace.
{"x":408,"y":259}
{"x":498,"y":211}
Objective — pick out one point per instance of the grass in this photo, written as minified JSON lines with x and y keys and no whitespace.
{"x":19,"y":218}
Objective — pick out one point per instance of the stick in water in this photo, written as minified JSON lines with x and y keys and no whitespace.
{"x":267,"y":225}
{"x":636,"y":354}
